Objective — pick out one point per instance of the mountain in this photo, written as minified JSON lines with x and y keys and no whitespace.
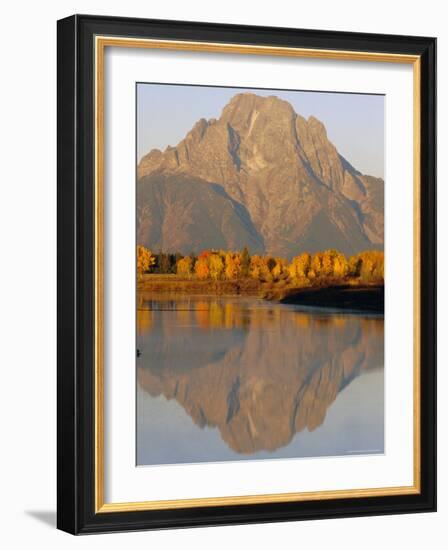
{"x":262,"y":176}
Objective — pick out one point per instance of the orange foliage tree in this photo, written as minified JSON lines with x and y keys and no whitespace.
{"x":201,"y":268}
{"x":327,"y":267}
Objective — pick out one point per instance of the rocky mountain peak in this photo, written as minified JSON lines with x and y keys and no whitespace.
{"x":282,"y":169}
{"x":316,"y":126}
{"x":198,"y":130}
{"x":244,"y":107}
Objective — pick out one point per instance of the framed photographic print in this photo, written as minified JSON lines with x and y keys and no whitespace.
{"x":246,"y":274}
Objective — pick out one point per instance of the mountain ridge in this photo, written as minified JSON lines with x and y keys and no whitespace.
{"x":277,"y":171}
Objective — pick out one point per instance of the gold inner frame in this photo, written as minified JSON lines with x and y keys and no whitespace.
{"x":101,"y":42}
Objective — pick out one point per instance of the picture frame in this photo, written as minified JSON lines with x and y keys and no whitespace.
{"x":82,"y":194}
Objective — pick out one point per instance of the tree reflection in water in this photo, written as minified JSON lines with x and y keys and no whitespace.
{"x":259,"y":372}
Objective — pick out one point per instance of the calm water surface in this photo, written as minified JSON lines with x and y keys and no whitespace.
{"x":234,"y":378}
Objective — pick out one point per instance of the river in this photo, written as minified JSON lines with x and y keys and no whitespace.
{"x":237,"y":378}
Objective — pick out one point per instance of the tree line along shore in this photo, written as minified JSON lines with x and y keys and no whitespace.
{"x":327,"y":278}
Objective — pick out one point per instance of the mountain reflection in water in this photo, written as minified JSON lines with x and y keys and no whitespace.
{"x":256,"y":373}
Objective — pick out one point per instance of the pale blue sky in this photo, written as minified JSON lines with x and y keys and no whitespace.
{"x":354,"y":122}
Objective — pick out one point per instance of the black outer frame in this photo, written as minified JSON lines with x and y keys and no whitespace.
{"x":75,"y":271}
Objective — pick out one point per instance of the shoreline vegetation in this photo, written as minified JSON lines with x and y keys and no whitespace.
{"x":324,"y":279}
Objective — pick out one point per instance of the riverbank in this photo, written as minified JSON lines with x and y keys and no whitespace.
{"x":346,"y":297}
{"x":354,"y":298}
{"x":174,"y":283}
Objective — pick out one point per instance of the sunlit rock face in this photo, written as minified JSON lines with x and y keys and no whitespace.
{"x":263,"y":176}
{"x":257,"y":378}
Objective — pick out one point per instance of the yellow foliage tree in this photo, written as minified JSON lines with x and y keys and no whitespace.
{"x":184,"y":266}
{"x":255,"y":267}
{"x":280,"y":269}
{"x":317,"y":264}
{"x":232,"y":265}
{"x":300,"y":266}
{"x":354,"y":265}
{"x":340,"y":265}
{"x":145,"y":259}
{"x":303,"y":270}
{"x":327,"y":263}
{"x":260,"y":268}
{"x":216,"y":266}
{"x":368,"y":266}
{"x":334,"y":264}
{"x":372,"y":268}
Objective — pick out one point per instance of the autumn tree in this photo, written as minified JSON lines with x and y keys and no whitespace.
{"x":178,"y":256}
{"x":317,"y":264}
{"x":256,"y":267}
{"x":245,"y":262}
{"x":327,"y":263}
{"x":201,"y":267}
{"x":233,"y":265}
{"x":202,"y":270}
{"x":300,"y":266}
{"x":303,"y":270}
{"x":354,"y":265}
{"x":184,"y":266}
{"x":280,"y":269}
{"x":334,"y":264}
{"x":145,"y":259}
{"x":371,"y":266}
{"x":163,"y":262}
{"x":216,"y":266}
{"x":340,"y":265}
{"x":261,"y":268}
